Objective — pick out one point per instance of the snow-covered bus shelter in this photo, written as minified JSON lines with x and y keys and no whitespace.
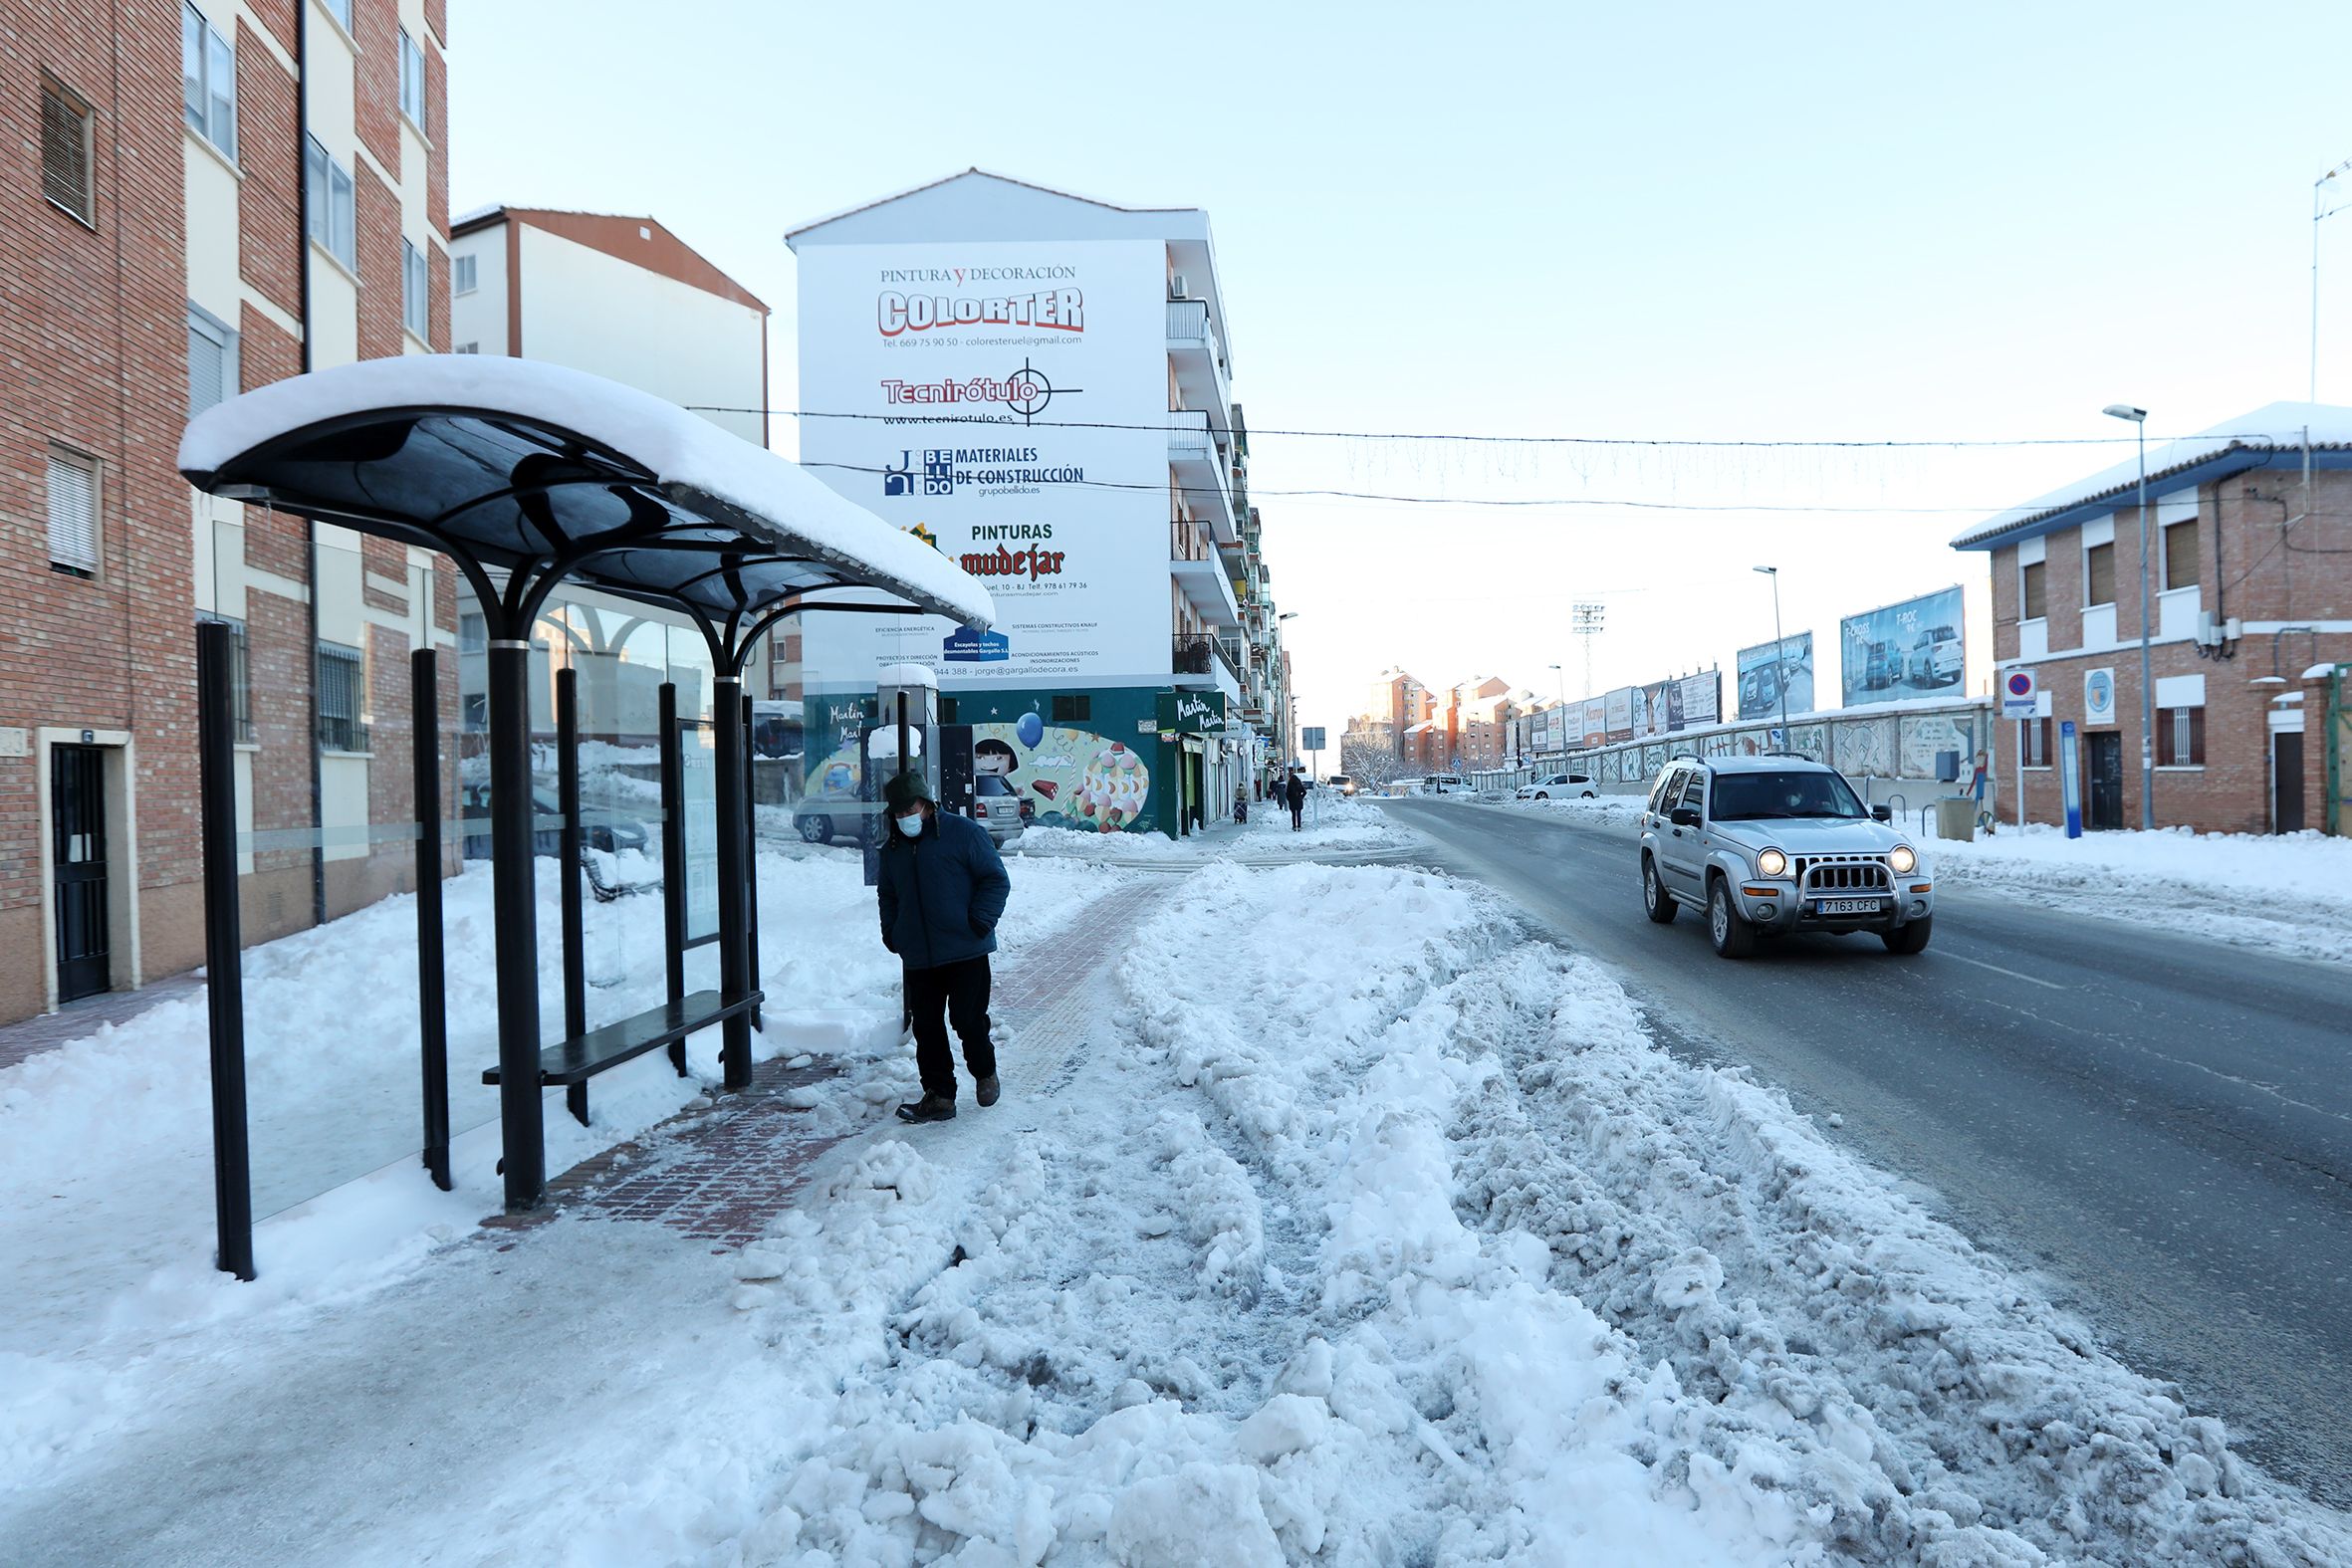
{"x":529,"y":477}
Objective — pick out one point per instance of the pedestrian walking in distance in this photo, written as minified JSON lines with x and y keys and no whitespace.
{"x":942,"y":890}
{"x":1295,"y":792}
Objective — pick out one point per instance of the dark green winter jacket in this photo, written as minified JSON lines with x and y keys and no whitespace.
{"x":942,"y":892}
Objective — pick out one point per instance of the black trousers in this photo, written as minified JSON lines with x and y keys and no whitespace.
{"x":960,"y":992}
{"x":1298,"y":809}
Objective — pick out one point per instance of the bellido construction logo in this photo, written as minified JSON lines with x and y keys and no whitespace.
{"x":1025,"y":392}
{"x":924,"y":534}
{"x":989,"y":470}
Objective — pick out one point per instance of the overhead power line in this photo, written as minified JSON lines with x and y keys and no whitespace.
{"x":1253,"y":432}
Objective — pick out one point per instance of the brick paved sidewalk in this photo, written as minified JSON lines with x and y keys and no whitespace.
{"x":722,"y":1174}
{"x":75,"y":1019}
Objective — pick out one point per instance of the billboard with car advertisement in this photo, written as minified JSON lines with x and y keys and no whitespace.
{"x":1765,"y":678}
{"x":1913,"y":649}
{"x":1003,"y":402}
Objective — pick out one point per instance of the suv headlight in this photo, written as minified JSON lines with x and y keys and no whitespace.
{"x":1772,"y":864}
{"x":1901,"y":861}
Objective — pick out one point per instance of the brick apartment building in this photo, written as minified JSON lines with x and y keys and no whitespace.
{"x":294,"y":213}
{"x":2250,"y":585}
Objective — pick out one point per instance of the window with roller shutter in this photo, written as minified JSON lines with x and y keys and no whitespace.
{"x":73,"y":512}
{"x":66,"y":161}
{"x":212,"y":361}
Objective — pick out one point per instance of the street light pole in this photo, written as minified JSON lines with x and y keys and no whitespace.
{"x":1562,"y":716}
{"x":1779,"y":653}
{"x":2139,"y":418}
{"x":2319,"y":210}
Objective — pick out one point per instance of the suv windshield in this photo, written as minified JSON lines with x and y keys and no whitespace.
{"x":1748,"y":798}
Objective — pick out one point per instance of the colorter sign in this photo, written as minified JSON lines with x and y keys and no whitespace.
{"x":1911,"y":649}
{"x":1006,"y":402}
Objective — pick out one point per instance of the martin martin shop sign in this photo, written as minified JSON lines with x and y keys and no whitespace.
{"x":1190,"y":713}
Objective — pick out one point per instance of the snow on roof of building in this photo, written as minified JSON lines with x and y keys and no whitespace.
{"x":468,"y":404}
{"x":2247,"y":441}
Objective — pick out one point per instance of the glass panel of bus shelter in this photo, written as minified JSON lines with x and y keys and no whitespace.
{"x":830,"y":985}
{"x":327,"y":856}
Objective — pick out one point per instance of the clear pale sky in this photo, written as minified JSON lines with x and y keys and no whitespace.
{"x":1708,"y":222}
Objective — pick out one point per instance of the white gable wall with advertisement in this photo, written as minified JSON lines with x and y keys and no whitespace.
{"x":978,"y":391}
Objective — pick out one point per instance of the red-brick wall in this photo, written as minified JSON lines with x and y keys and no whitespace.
{"x":2248,"y":569}
{"x":377,"y":216}
{"x":269,"y":151}
{"x":375,"y":27}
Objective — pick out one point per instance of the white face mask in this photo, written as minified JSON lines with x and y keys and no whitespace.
{"x":909,"y":826}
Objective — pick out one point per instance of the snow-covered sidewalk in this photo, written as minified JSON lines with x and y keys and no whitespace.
{"x":1413,"y":1248}
{"x":2287,"y":893}
{"x":1338,"y":828}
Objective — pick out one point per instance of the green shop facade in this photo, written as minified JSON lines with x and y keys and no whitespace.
{"x":1106,"y":759}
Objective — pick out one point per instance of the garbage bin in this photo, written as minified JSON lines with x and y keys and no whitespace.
{"x":1956,"y":816}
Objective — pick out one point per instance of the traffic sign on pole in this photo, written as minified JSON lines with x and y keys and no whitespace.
{"x":2021,"y":694}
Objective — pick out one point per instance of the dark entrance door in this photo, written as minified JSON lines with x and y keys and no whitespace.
{"x":2286,"y":771}
{"x":78,"y":844}
{"x":2106,"y":779}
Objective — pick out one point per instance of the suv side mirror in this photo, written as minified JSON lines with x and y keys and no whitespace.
{"x":1882,"y":813}
{"x":1683,"y":817}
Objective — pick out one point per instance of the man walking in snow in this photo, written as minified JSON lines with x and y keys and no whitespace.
{"x":942,"y":890}
{"x":1294,"y":794}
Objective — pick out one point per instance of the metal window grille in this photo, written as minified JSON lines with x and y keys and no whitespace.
{"x":415,"y":291}
{"x":212,"y":361}
{"x":66,"y":163}
{"x":341,"y":679}
{"x":208,"y":80}
{"x":1073,"y":710}
{"x":73,"y":513}
{"x":240,"y":676}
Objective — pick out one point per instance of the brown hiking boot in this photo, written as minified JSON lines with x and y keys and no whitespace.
{"x":930,"y":1108}
{"x":986,"y":1093}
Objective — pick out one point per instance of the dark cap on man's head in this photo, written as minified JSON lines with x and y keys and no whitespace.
{"x":903,"y":791}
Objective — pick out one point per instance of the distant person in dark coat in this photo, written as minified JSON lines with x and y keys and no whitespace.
{"x":942,"y":892}
{"x":1295,"y":796}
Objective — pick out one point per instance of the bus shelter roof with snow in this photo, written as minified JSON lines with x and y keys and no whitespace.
{"x":527,"y":476}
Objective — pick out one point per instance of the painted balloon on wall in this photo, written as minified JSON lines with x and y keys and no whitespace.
{"x":1029,"y":728}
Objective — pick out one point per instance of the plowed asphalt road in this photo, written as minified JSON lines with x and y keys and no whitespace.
{"x":2158,"y":1126}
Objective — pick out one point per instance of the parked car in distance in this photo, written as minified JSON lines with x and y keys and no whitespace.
{"x":1441,"y":783}
{"x":1770,"y":846}
{"x":996,"y":805}
{"x":1936,"y":658}
{"x":601,"y":827}
{"x":1341,"y":783}
{"x":822,"y":819}
{"x":1563,"y":784}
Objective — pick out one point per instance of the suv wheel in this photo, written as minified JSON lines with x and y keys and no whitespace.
{"x":1726,"y":928}
{"x":1912,"y":938}
{"x":816,"y":829}
{"x":1654,"y":897}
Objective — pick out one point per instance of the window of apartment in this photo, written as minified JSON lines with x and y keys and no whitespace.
{"x":2180,"y":555}
{"x":2099,"y":574}
{"x":328,"y":187}
{"x":73,"y":512}
{"x":341,"y":10}
{"x":473,"y":632}
{"x":467,"y":348}
{"x":1073,"y":710}
{"x":67,"y":164}
{"x":2179,"y":736}
{"x":416,"y":293}
{"x":212,"y":361}
{"x":240,"y":675}
{"x":2037,"y":742}
{"x":461,"y":274}
{"x":340,"y":683}
{"x":208,"y":80}
{"x":411,"y":81}
{"x":2033,"y":598}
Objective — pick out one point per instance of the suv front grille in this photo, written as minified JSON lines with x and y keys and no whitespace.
{"x":1843,"y":874}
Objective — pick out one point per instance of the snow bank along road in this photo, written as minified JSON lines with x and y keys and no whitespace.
{"x":2162,"y":1124}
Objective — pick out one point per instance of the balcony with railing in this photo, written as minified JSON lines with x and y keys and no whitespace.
{"x":1197,"y":454}
{"x":1197,"y":659}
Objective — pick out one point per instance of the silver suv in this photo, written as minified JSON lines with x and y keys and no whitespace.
{"x":1776,"y":845}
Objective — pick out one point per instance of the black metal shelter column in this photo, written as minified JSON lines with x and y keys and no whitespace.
{"x":432,"y":1021}
{"x":573,"y":856}
{"x":224,"y":975}
{"x":514,"y":904}
{"x":735,"y":979}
